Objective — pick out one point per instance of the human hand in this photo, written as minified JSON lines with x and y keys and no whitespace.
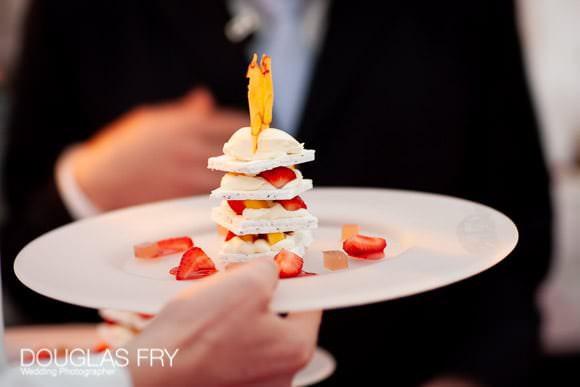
{"x":155,"y":152}
{"x":226,"y":334}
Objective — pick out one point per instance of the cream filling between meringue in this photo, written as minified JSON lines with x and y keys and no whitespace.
{"x":239,"y":246}
{"x":237,"y":182}
{"x":277,"y":211}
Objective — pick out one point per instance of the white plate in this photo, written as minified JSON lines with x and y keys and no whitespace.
{"x":433,"y":241}
{"x":320,"y":367}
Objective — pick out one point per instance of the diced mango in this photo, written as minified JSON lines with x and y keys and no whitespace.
{"x":349,"y":230}
{"x":275,"y":237}
{"x":335,"y":260}
{"x":257,"y":204}
{"x":247,"y":238}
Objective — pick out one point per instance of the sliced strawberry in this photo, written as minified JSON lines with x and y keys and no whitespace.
{"x":373,"y":256}
{"x":289,"y":264}
{"x":174,"y":245}
{"x":192,"y":261}
{"x":146,"y":315}
{"x":194,"y":275}
{"x":279,"y":177}
{"x":198,"y":274}
{"x":361,"y":246}
{"x":43,"y":354}
{"x":101,"y":347}
{"x":306,"y":274}
{"x":296,"y":203}
{"x":237,"y":206}
{"x":230,"y":235}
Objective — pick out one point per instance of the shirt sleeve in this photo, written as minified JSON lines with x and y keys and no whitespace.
{"x":75,"y":200}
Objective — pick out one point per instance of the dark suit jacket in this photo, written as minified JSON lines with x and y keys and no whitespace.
{"x":418,"y":95}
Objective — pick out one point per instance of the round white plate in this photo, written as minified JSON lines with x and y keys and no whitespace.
{"x":433,"y":241}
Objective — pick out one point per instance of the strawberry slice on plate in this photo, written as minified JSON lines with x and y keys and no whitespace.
{"x":194,"y":264}
{"x":289,"y":264}
{"x":365,"y":247}
{"x":174,"y":245}
{"x":162,"y":247}
{"x":296,"y":203}
{"x":237,"y":206}
{"x":279,"y":176}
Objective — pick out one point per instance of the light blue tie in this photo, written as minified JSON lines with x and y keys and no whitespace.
{"x":281,"y":36}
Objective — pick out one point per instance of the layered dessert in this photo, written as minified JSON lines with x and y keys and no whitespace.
{"x":261,"y":205}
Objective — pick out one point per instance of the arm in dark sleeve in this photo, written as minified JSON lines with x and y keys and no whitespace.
{"x":44,"y":120}
{"x":499,"y":325}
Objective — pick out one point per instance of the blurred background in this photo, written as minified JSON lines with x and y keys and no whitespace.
{"x":550,"y":32}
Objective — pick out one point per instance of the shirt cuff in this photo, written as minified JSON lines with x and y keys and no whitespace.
{"x":75,"y":200}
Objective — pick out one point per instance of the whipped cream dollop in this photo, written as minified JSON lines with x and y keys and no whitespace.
{"x":277,"y":211}
{"x":272,"y":143}
{"x":236,"y":182}
{"x":239,"y":246}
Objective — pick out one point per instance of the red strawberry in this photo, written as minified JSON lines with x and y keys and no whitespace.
{"x":194,"y":263}
{"x":195,"y":274}
{"x":101,"y":347}
{"x":174,"y":245}
{"x":237,"y":205}
{"x":293,"y":204}
{"x":230,"y":235}
{"x":279,"y":177}
{"x":199,"y":274}
{"x":289,"y":264}
{"x":361,"y":246}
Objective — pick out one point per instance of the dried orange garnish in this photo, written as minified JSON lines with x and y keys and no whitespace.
{"x":260,"y":96}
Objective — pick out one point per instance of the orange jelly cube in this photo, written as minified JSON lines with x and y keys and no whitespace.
{"x":349,"y":230}
{"x":335,"y":260}
{"x":146,"y":250}
{"x":222,"y":231}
